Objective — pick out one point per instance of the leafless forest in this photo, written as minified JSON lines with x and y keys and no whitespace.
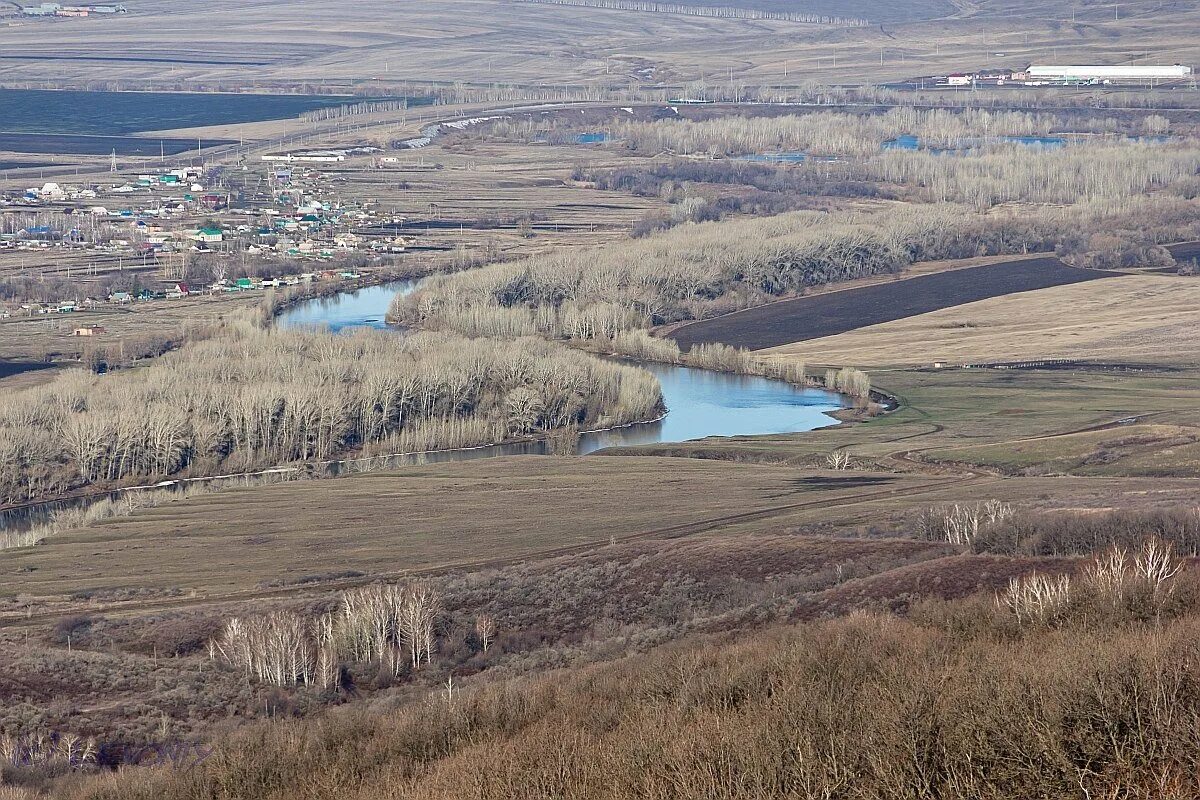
{"x":710,"y":268}
{"x":248,"y":398}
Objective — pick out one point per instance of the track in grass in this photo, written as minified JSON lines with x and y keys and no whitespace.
{"x":837,"y":312}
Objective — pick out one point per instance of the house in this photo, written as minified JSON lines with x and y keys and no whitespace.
{"x":120,"y":297}
{"x":52,"y":191}
{"x":178,"y":290}
{"x":66,"y":307}
{"x":208,"y":235}
{"x":244,"y":284}
{"x":88,"y":330}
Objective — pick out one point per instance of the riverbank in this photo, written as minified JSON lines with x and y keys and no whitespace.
{"x":702,"y":403}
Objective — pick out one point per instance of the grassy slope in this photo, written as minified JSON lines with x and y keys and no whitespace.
{"x":416,"y":519}
{"x":485,"y":41}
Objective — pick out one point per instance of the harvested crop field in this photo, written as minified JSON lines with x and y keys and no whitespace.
{"x":837,"y":312}
{"x":1130,"y":320}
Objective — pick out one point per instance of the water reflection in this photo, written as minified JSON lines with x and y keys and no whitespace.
{"x":360,"y":308}
{"x":700,"y":404}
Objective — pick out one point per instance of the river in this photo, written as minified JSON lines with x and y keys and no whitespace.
{"x":700,"y":403}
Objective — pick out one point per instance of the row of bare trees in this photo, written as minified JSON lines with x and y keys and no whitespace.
{"x":721,"y":12}
{"x":848,"y":381}
{"x":1117,"y":576}
{"x":377,"y":623}
{"x":962,"y":523}
{"x":701,"y":270}
{"x":832,"y":133}
{"x":249,"y":398}
{"x":1101,"y":172}
{"x":679,"y":274}
{"x":69,"y":750}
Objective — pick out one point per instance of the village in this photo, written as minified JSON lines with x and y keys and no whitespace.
{"x":183,"y":231}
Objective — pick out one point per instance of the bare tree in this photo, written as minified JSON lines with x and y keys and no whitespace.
{"x":418,"y":612}
{"x":1157,"y":565}
{"x":1037,"y":597}
{"x":1109,"y":574}
{"x":961,"y":524}
{"x":994,"y":511}
{"x":838,"y":460}
{"x":485,"y":630}
{"x":275,"y":648}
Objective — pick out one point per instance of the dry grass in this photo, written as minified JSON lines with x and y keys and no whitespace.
{"x":486,"y":41}
{"x":52,"y":334}
{"x":419,"y":518}
{"x":1145,"y":318}
{"x":960,"y":701}
{"x":1122,"y":450}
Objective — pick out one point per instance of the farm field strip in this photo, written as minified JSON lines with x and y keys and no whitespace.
{"x":831,"y":313}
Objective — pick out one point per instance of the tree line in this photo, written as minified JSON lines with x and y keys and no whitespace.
{"x":833,"y":133}
{"x":248,"y":397}
{"x":700,"y":270}
{"x":389,"y":625}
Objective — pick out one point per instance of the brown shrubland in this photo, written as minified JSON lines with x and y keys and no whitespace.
{"x":956,"y":701}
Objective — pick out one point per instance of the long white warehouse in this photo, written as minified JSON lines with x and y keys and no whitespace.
{"x":1170,"y":72}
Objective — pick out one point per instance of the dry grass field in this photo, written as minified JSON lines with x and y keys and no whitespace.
{"x":423,"y":518}
{"x":486,"y":41}
{"x":1140,"y":319}
{"x":305,"y":538}
{"x":51,"y":336}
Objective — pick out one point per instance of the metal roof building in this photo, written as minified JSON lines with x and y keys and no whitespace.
{"x":1118,"y":73}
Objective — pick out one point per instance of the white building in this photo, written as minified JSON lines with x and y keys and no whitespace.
{"x":312,"y":156}
{"x":1172,"y":72}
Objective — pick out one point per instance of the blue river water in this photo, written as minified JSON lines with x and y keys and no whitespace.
{"x":700,"y":403}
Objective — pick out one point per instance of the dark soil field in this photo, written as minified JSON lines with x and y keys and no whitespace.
{"x":83,"y":145}
{"x":837,"y":312}
{"x":11,"y":368}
